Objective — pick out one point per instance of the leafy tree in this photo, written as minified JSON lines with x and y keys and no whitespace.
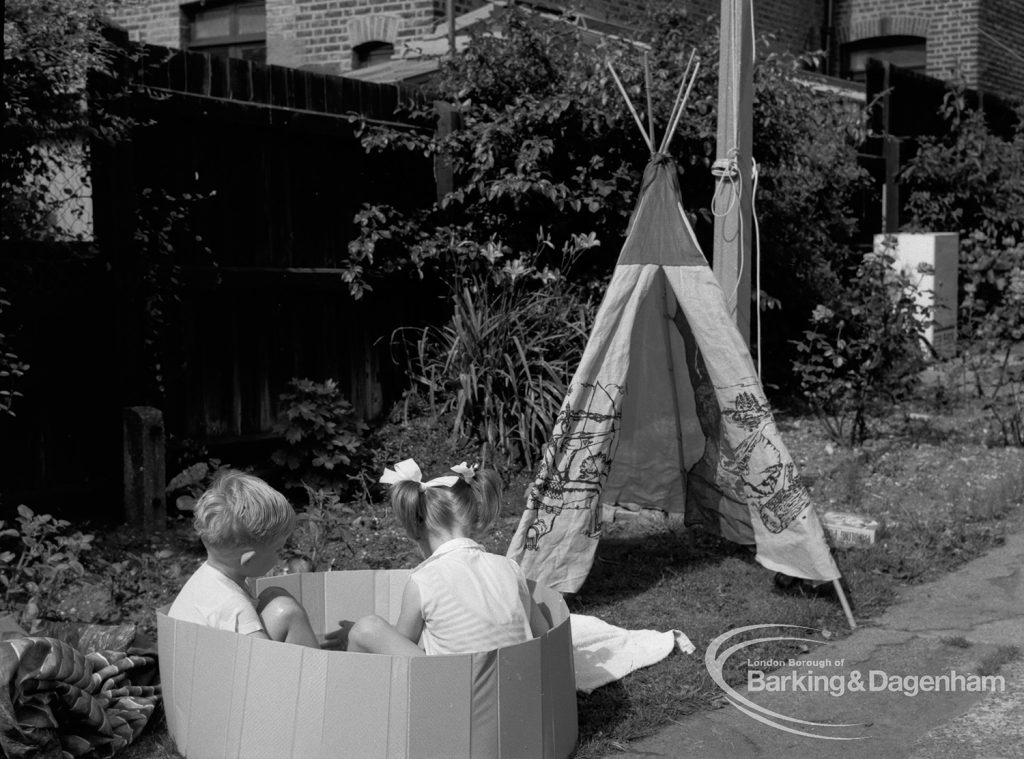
{"x":547,"y":154}
{"x":50,"y":49}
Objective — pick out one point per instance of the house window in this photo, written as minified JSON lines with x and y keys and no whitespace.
{"x":236,"y":30}
{"x":371,"y":53}
{"x":905,"y":52}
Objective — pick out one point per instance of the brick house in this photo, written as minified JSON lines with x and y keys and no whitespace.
{"x":975,"y":38}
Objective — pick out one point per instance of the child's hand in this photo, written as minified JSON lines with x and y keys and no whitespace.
{"x":337,"y":640}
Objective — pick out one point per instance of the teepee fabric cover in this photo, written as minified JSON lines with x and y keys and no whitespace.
{"x":666,"y":411}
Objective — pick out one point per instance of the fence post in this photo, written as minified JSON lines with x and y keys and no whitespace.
{"x":144,"y":468}
{"x":891,"y":188}
{"x":448,"y":121}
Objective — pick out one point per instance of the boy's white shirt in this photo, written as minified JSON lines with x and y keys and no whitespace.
{"x":471,"y":600}
{"x":213,"y":599}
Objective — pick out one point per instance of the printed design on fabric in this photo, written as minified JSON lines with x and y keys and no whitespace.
{"x":758,"y":461}
{"x":576,"y":462}
{"x":744,"y":458}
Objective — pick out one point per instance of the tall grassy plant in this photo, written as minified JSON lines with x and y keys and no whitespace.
{"x":503,"y":362}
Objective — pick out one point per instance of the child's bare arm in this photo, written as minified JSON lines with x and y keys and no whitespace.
{"x":410,"y":619}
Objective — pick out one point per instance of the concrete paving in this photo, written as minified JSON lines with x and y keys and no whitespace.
{"x":953,"y":625}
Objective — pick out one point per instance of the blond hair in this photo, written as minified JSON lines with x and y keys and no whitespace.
{"x":473,"y":505}
{"x":241,"y":509}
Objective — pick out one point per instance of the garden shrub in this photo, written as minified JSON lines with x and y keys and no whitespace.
{"x":971,"y":181}
{"x":863,"y":352}
{"x":39,"y":559}
{"x":321,"y":528}
{"x":191,"y":482}
{"x":323,"y":435}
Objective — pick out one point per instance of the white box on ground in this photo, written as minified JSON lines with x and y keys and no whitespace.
{"x":847,"y":529}
{"x":941,"y":252}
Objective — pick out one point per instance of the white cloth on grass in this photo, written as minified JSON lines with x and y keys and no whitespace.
{"x":604,"y":653}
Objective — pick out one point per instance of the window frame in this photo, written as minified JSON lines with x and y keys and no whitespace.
{"x":879,"y":44}
{"x":370,"y":47}
{"x":234,"y":42}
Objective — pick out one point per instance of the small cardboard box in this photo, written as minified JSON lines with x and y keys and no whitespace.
{"x":849,"y":530}
{"x":228,"y":695}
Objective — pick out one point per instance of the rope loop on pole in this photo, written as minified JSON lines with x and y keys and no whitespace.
{"x":726,"y":170}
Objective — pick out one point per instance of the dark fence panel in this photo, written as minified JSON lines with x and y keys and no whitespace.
{"x":61,"y":319}
{"x":275,"y":172}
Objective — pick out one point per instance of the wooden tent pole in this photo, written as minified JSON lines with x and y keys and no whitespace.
{"x":673,"y":118}
{"x":672,"y":379}
{"x":629,"y":103}
{"x":450,"y":13}
{"x":682,"y":105}
{"x":844,"y":603}
{"x":650,"y":101}
{"x":733,"y":153}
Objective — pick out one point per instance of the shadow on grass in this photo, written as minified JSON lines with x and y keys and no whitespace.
{"x":624,"y":567}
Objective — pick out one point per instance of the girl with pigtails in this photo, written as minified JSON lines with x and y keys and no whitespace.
{"x":461,"y":598}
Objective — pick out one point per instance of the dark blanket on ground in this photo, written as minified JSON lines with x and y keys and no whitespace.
{"x":59,"y":700}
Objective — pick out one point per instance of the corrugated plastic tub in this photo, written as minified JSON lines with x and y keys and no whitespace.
{"x":229,"y":695}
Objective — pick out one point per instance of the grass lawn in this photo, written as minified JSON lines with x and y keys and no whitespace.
{"x":941,"y":494}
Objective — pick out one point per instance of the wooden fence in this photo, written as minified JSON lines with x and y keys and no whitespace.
{"x":265,"y":167}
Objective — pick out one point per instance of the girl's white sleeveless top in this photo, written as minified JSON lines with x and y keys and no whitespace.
{"x":472,"y":600}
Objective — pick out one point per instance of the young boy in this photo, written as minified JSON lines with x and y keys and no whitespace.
{"x":244,"y":523}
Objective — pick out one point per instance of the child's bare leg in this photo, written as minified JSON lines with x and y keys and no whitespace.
{"x":374,"y":635}
{"x":285,"y":619}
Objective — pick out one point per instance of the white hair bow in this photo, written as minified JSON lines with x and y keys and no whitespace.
{"x":409,"y":470}
{"x":465,"y":471}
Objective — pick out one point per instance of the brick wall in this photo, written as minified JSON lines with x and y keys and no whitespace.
{"x":971,"y":37}
{"x":794,"y":24}
{"x":314,"y":34}
{"x":950,"y":28}
{"x":1000,"y":37}
{"x":157,"y":22}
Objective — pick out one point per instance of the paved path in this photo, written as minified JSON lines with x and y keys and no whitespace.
{"x":982,"y":602}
